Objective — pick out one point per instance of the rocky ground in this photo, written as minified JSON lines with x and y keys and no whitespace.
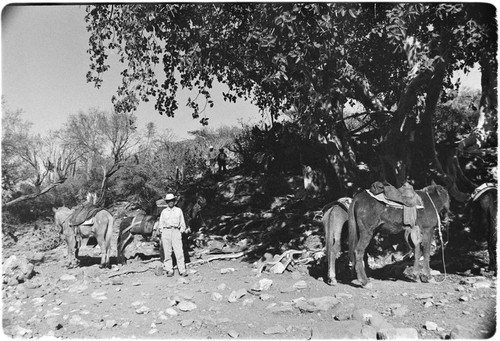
{"x":230,"y":299}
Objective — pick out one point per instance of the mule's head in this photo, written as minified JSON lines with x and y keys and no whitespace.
{"x":440,"y":196}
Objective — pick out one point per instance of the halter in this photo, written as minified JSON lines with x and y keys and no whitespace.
{"x":440,"y":234}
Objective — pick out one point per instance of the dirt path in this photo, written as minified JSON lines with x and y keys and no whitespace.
{"x":219,"y":300}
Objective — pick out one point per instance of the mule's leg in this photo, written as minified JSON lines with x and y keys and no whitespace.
{"x":427,"y":235}
{"x":331,"y":242}
{"x":364,"y":240}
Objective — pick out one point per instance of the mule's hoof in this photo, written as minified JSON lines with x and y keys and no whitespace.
{"x":331,"y":281}
{"x":368,"y":285}
{"x":425,"y":278}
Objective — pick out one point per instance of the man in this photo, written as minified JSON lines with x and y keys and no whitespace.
{"x":221,"y":160}
{"x":172,"y":226}
{"x":211,"y":159}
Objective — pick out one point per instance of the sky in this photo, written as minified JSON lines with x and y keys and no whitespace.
{"x":44,"y":63}
{"x":44,"y":66}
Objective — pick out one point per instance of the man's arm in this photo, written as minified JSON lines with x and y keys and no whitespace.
{"x":182,"y":222}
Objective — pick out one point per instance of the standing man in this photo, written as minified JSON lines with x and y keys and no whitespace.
{"x":221,"y":160}
{"x":172,"y":226}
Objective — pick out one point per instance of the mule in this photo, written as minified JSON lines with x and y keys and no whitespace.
{"x":101,"y":228}
{"x":140,"y":224}
{"x":367,"y":216}
{"x":334,"y":219}
{"x":483,"y":214}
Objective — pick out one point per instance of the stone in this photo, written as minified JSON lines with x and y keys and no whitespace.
{"x":428,"y":304}
{"x":187,"y":322}
{"x":171,"y":312}
{"x":397,"y":333}
{"x":369,"y":317}
{"x":67,"y":277}
{"x":263,"y":284}
{"x":300,"y":285}
{"x":265,"y":297}
{"x":463,"y":298}
{"x":481,"y":285}
{"x":281,"y":309}
{"x":233,"y":333}
{"x":343,"y":295}
{"x":17,"y":270}
{"x":110,"y":323}
{"x":429,"y":325}
{"x":216,"y":297}
{"x":287,"y":290}
{"x":247,"y":302}
{"x":324,"y":303}
{"x":226,"y":270}
{"x":186,"y":306}
{"x":221,"y":286}
{"x":236,"y":294}
{"x":143,"y":310}
{"x":275,"y":330}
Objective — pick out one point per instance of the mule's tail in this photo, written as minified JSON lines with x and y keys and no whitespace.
{"x":328,"y":227}
{"x":108,"y":234}
{"x":353,"y":232}
{"x":124,"y":236}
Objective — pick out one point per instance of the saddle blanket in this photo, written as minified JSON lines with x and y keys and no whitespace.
{"x":481,"y":190}
{"x":381,"y":197}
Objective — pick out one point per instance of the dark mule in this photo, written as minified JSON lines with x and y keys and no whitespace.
{"x":483,"y":215}
{"x":140,"y":224}
{"x":334,"y":220}
{"x":366,"y":215}
{"x":101,"y":228}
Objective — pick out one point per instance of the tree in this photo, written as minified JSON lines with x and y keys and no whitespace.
{"x":395,"y":59}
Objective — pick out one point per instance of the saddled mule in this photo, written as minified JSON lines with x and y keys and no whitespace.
{"x":101,"y":227}
{"x":140,"y":224}
{"x":483,"y":214}
{"x":367,"y":215}
{"x":334,"y":219}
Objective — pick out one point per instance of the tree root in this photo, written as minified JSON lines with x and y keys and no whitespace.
{"x":225,"y":256}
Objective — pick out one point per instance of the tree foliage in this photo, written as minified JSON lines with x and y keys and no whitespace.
{"x":395,"y":59}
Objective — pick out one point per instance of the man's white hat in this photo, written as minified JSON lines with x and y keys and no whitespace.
{"x":169,"y":197}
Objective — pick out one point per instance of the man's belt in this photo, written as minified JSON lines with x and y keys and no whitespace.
{"x":170,"y":227}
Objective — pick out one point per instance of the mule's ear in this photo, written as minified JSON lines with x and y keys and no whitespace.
{"x":433,"y":183}
{"x":54,"y":209}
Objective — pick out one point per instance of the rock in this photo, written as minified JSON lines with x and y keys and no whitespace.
{"x":226,"y":270}
{"x":370,"y":317}
{"x":430,"y":325}
{"x":53,"y":323}
{"x":281,"y":309}
{"x":17,"y":270}
{"x":221,"y":286}
{"x":481,"y":285}
{"x":67,"y":277}
{"x":428,"y":304}
{"x":265,"y":297}
{"x":343,"y":312}
{"x":186,"y":306}
{"x":143,"y":310}
{"x":110,"y":323}
{"x":275,"y":330}
{"x":136,"y":303}
{"x":296,"y":275}
{"x":77,"y":288}
{"x":397,"y":333}
{"x":235,"y":295}
{"x":171,"y":312}
{"x":278,"y":268}
{"x":300,"y":285}
{"x":464,"y":298}
{"x":233,"y":333}
{"x":135,"y":284}
{"x":287,"y":290}
{"x":263,"y":284}
{"x":216,"y":297}
{"x":187,"y":322}
{"x":461,"y":332}
{"x":98,"y":295}
{"x":23,"y":332}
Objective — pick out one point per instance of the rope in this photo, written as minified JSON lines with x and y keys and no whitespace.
{"x":440,"y":236}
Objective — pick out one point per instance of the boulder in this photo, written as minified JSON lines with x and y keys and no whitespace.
{"x":17,"y":270}
{"x":461,"y":332}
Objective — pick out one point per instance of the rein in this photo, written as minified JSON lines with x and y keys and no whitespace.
{"x":440,"y":235}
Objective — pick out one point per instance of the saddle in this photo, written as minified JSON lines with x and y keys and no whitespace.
{"x":406,"y":198}
{"x":84,"y":213}
{"x":142,"y":224}
{"x":481,"y":190}
{"x":404,"y":195}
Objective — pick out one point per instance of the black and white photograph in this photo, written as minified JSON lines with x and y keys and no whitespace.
{"x":249,"y":170}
